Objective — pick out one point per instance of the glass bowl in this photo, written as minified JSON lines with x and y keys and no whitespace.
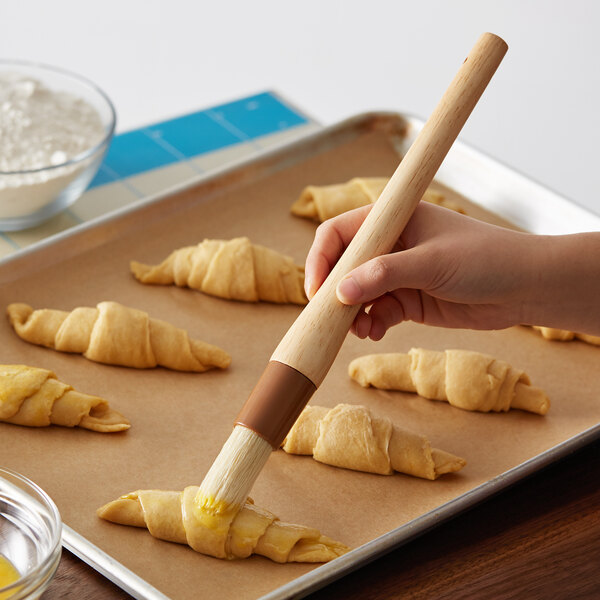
{"x":30,"y":535}
{"x":32,"y":195}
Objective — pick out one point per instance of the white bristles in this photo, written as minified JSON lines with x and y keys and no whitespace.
{"x":234,"y":471}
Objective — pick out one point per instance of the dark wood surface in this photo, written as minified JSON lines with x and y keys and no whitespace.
{"x":538,"y":540}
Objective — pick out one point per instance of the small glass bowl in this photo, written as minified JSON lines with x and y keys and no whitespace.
{"x":27,"y":198}
{"x":30,"y":535}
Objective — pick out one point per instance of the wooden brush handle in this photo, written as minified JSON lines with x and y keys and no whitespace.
{"x":307,"y":351}
{"x":312,"y":343}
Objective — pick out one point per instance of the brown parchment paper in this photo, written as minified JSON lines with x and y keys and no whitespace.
{"x":180,"y":420}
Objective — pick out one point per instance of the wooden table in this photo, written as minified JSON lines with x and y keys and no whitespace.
{"x":538,"y":540}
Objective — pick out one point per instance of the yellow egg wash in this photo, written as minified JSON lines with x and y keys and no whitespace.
{"x":214,"y":514}
{"x":8,"y":575}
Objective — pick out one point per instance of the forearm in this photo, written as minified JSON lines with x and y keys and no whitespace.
{"x":565,"y":283}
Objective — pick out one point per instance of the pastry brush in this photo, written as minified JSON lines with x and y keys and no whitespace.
{"x":307,"y":351}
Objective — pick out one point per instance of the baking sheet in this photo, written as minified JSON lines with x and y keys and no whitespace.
{"x":180,"y":420}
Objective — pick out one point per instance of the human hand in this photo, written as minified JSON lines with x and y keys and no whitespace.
{"x":446,"y":270}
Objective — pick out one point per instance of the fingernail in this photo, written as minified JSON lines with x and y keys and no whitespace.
{"x":308,"y":287}
{"x":348,"y":291}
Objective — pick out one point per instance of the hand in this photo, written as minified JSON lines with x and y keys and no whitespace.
{"x":446,"y":270}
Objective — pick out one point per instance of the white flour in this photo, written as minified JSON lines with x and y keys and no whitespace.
{"x":40,"y":128}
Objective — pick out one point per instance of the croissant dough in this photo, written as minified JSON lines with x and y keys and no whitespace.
{"x":117,"y":335}
{"x":564,"y":335}
{"x":351,"y":437}
{"x":324,"y":202}
{"x":466,"y":379}
{"x":171,"y":516}
{"x":234,"y":269}
{"x":35,"y":397}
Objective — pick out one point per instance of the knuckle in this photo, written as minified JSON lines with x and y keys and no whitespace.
{"x":378,"y":271}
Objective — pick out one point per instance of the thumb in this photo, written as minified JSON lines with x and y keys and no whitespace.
{"x":376,"y":277}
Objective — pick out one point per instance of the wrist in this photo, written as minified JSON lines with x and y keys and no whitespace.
{"x":564,"y":282}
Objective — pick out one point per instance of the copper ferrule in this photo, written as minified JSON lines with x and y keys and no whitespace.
{"x":276,"y":402}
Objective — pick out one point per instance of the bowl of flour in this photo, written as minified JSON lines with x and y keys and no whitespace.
{"x":55,"y":128}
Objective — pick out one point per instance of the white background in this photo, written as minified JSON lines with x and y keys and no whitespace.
{"x":158,"y":59}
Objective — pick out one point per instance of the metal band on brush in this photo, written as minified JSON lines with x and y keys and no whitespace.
{"x":276,"y":402}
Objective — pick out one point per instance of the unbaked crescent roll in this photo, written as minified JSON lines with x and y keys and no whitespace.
{"x":36,"y":398}
{"x":324,"y":202}
{"x":352,"y":437}
{"x":234,"y":269}
{"x":466,"y":379}
{"x":564,"y":335}
{"x":116,"y":335}
{"x":171,"y":516}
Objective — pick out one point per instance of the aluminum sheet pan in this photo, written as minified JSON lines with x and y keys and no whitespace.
{"x":486,"y":183}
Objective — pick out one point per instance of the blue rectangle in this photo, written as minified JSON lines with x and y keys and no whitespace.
{"x":134,"y":152}
{"x":259,"y":115}
{"x":193,"y":134}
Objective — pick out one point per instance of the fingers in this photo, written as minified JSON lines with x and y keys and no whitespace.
{"x":382,"y":314}
{"x":385,"y":313}
{"x":362,"y":324}
{"x":391,"y":309}
{"x":388,"y":310}
{"x":331,"y":239}
{"x":384,"y":274}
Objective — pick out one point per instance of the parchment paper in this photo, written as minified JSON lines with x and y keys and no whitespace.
{"x":180,"y":420}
